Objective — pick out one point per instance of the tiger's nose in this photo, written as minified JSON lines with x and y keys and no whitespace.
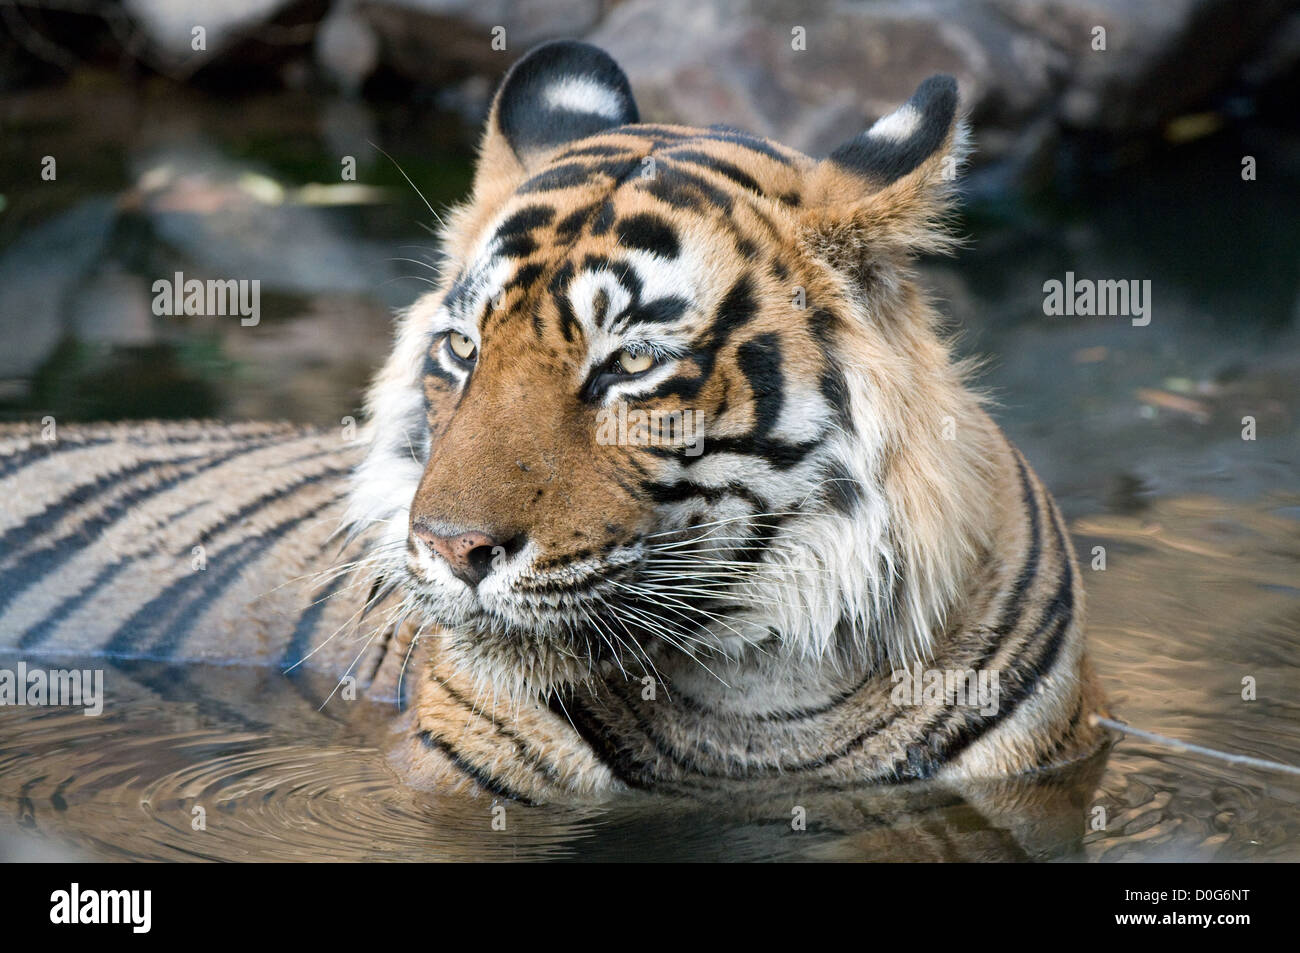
{"x":471,"y":554}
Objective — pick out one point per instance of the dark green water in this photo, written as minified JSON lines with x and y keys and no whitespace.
{"x":1138,"y":430}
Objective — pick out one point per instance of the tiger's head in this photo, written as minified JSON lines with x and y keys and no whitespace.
{"x":677,"y":392}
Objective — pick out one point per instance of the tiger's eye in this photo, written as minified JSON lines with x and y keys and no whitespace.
{"x":462,"y":346}
{"x":635,"y":363}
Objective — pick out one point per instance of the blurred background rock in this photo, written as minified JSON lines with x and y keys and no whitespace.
{"x":1110,"y":141}
{"x":1038,"y":76}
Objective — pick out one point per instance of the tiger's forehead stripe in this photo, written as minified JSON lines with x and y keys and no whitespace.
{"x":637,"y":152}
{"x":683,"y":170}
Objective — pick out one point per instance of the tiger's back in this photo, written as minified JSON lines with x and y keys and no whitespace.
{"x":186,"y":541}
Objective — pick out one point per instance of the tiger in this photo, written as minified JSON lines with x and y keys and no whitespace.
{"x":673,"y":483}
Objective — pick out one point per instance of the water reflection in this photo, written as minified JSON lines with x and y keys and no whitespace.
{"x":271,"y":778}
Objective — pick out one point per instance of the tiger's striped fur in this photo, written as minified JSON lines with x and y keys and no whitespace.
{"x":189,"y":541}
{"x":587,"y":615}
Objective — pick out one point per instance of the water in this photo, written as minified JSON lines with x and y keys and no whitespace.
{"x":1137,"y":431}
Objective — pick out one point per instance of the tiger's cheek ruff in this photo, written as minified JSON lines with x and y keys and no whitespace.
{"x":396,"y":438}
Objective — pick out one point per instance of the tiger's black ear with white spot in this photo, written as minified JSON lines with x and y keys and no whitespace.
{"x":559,"y":92}
{"x":903,"y":140}
{"x":886,"y":191}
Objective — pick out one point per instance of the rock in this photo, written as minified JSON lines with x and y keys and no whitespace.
{"x":743,"y":63}
{"x":245,"y":42}
{"x":1017,"y":61}
{"x":347,"y":48}
{"x":232,"y":220}
{"x":38,"y":273}
{"x":169,"y":25}
{"x":443,"y":41}
{"x":1161,"y":57}
{"x":1276,"y":64}
{"x":43,"y":43}
{"x":112,"y":307}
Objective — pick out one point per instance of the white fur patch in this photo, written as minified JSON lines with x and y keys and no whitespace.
{"x":898,"y":126}
{"x":584,"y":290}
{"x":583,"y":95}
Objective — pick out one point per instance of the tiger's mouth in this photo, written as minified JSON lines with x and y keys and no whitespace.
{"x":532,"y":630}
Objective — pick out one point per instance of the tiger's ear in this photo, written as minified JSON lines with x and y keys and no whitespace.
{"x":558,"y":92}
{"x":886,"y":192}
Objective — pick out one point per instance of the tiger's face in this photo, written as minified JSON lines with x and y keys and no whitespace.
{"x":622,"y":398}
{"x":648,"y":409}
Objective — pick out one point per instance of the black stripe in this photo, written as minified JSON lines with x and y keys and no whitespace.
{"x":245,"y":553}
{"x":570,"y":174}
{"x":738,"y":137}
{"x":1015,"y":605}
{"x":36,"y":524}
{"x":42,"y":630}
{"x":525,"y":220}
{"x":649,"y":232}
{"x":563,"y":176}
{"x":187,"y":614}
{"x":1010,"y":617}
{"x":720,"y":166}
{"x":682,"y":490}
{"x":759,"y":359}
{"x":532,"y":758}
{"x":654,"y":131}
{"x":951,"y":734}
{"x":479,"y":776}
{"x":48,"y":558}
{"x":777,"y":453}
{"x":571,"y":225}
{"x":144,"y":437}
{"x":669,"y":750}
{"x":235,"y":517}
{"x":305,"y":628}
{"x":1010,"y":620}
{"x":603,"y":220}
{"x":168,"y":611}
{"x":616,"y":758}
{"x":842,"y":489}
{"x":658,"y":311}
{"x":524,"y":277}
{"x":918,"y":762}
{"x":46,"y":627}
{"x":686,"y":190}
{"x":18,"y":459}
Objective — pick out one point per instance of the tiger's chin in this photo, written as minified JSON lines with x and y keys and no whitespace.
{"x":521,"y":666}
{"x":522,"y":651}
